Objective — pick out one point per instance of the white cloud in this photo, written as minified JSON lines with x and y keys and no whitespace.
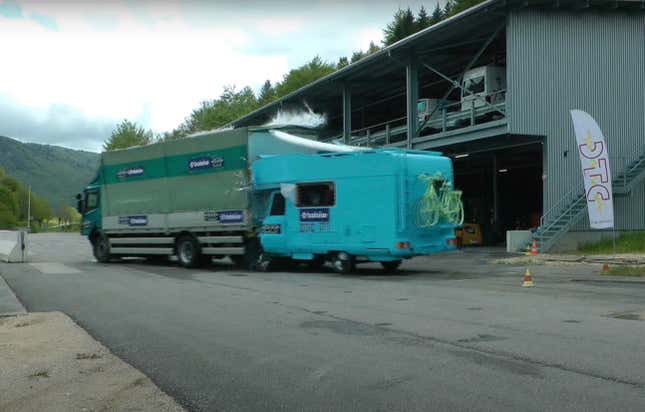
{"x":169,"y":67}
{"x":367,"y":35}
{"x":155,"y":61}
{"x":279,"y":26}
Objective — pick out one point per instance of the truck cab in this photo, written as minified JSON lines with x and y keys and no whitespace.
{"x":89,"y":206}
{"x":482,"y":85}
{"x":433,"y":108}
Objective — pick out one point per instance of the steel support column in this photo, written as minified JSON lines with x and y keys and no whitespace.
{"x":412,"y":98}
{"x":347,"y":113}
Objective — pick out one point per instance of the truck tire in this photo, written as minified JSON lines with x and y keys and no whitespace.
{"x":391,"y":266}
{"x":188,"y":251}
{"x":252,"y":258}
{"x":101,"y":248}
{"x":316,"y":263}
{"x":342,"y":263}
{"x":239,"y":261}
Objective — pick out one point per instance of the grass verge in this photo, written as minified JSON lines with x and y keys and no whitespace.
{"x":626,"y":271}
{"x":627,"y":243}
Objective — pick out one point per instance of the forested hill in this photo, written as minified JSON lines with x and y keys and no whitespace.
{"x":54,"y":172}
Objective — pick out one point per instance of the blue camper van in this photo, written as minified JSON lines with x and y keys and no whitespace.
{"x":381,"y":205}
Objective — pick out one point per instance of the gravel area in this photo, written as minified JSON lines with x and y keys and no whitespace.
{"x":48,"y":363}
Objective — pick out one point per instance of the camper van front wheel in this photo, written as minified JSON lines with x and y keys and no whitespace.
{"x":343,"y":262}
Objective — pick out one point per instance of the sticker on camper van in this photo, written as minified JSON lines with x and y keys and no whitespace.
{"x":314,"y":215}
{"x":274,"y":229}
{"x":139,"y":220}
{"x":130,"y":172}
{"x":225,"y":217}
{"x":205,"y":162}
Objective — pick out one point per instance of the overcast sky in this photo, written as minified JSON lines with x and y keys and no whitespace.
{"x":71,"y":70}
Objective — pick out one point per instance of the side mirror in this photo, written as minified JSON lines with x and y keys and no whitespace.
{"x":79,"y":203}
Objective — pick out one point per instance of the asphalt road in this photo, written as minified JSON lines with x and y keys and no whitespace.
{"x":450,"y":332}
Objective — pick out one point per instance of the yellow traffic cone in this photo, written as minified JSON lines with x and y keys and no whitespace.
{"x":528,"y":279}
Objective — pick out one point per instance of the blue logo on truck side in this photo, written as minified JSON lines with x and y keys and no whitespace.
{"x":314,"y":215}
{"x":225,"y":217}
{"x":130,"y":172}
{"x":139,"y":220}
{"x":205,"y":162}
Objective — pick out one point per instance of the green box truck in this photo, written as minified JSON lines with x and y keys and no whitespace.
{"x":189,"y":197}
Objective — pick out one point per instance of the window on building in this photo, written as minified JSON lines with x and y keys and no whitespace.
{"x":315,"y":194}
{"x":277,"y":207}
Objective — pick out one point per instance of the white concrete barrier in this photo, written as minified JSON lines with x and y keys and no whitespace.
{"x":516,"y":240}
{"x":13,"y":246}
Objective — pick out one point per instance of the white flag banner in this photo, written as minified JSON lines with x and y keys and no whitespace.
{"x":595,"y":170}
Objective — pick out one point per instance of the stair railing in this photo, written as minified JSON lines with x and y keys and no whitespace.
{"x":561,"y":207}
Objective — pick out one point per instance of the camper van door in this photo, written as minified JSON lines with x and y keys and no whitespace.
{"x":274,"y":227}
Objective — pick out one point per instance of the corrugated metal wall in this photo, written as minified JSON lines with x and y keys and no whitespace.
{"x":594,"y":61}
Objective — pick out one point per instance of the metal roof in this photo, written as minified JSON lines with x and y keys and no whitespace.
{"x":448,"y":44}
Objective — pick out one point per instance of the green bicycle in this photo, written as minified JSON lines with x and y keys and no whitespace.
{"x":438,"y":202}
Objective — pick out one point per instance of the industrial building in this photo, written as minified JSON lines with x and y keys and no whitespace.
{"x":492,"y":87}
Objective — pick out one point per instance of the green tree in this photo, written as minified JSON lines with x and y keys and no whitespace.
{"x":423,"y":20}
{"x":8,"y":208}
{"x":437,"y":15}
{"x":68,"y":215}
{"x":402,"y":25}
{"x":457,"y":6}
{"x":267,"y":93}
{"x":342,"y":62}
{"x":40,"y":210}
{"x":10,"y":183}
{"x":303,"y":75}
{"x":217,"y":113}
{"x":373,"y":48}
{"x":447,"y":9}
{"x":357,"y":55}
{"x":128,"y":134}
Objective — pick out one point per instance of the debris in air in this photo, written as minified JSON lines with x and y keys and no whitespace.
{"x":304,"y":118}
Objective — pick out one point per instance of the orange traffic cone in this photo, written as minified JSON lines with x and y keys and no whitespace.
{"x":605,"y":269}
{"x":528,"y":279}
{"x":534,"y":248}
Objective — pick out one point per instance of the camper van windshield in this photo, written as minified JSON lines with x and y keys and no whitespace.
{"x":475,"y":85}
{"x":315,"y":194}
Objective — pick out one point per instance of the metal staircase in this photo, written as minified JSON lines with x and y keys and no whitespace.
{"x":557,"y":221}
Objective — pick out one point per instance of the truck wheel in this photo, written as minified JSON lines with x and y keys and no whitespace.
{"x":391,"y":266}
{"x":101,"y":249}
{"x":342,"y":263}
{"x":238,"y":261}
{"x":188,"y":253}
{"x":316,"y":263}
{"x":264,"y":263}
{"x":252,"y":258}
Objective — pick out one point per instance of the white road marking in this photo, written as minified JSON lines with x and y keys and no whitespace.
{"x":54,"y":268}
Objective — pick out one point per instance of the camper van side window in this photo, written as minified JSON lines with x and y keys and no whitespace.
{"x":277,"y":207}
{"x":316,"y":194}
